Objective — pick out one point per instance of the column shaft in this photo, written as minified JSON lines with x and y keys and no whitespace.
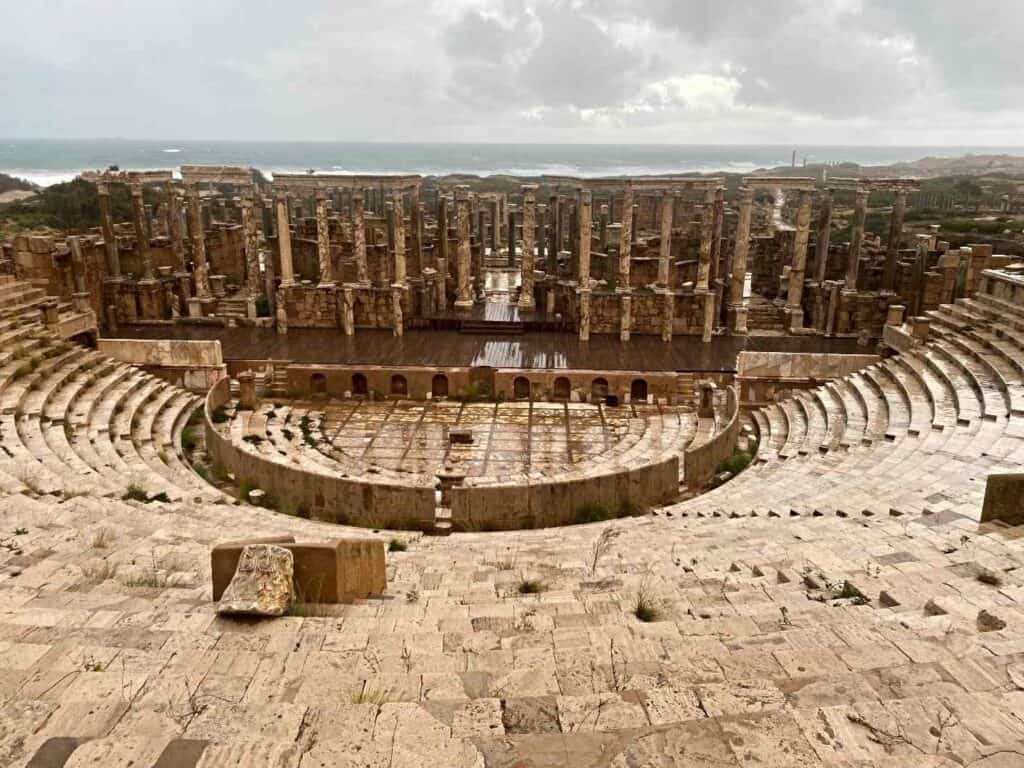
{"x":626,"y":239}
{"x":824,"y":234}
{"x":586,"y":204}
{"x":665,"y":247}
{"x":107,"y":227}
{"x":798,"y":264}
{"x":359,"y":236}
{"x":398,"y":211}
{"x":198,"y":237}
{"x":856,"y":239}
{"x":741,"y":250}
{"x":892,"y":251}
{"x":323,"y":241}
{"x":141,"y":236}
{"x":284,"y":241}
{"x":526,"y":299}
{"x":707,"y":233}
{"x":463,"y":254}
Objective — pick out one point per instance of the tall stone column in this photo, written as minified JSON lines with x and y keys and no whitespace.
{"x":414,"y":257}
{"x":625,"y":315}
{"x":496,"y":228}
{"x":174,"y":227}
{"x":737,"y":310}
{"x":198,"y":237}
{"x":252,"y":245}
{"x":892,"y":250}
{"x":348,"y":314}
{"x":141,"y":235}
{"x":585,"y":208}
{"x":709,"y":315}
{"x":860,"y":211}
{"x":526,"y":300}
{"x":511,"y":235}
{"x":107,"y":227}
{"x":718,"y":218}
{"x":584,"y":304}
{"x":463,"y":253}
{"x":707,"y":235}
{"x":626,"y":239}
{"x":397,"y":319}
{"x":602,"y":232}
{"x":323,"y":241}
{"x":397,"y":211}
{"x":553,"y":231}
{"x":284,"y":241}
{"x":824,"y":234}
{"x":542,"y":235}
{"x":442,"y":254}
{"x":668,"y":313}
{"x":359,"y":236}
{"x":794,"y":299}
{"x":665,"y":248}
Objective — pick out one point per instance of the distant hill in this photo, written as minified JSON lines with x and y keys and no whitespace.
{"x":14,"y":184}
{"x":925,"y":168}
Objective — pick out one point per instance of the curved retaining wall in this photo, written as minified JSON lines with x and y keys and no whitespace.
{"x":701,"y":461}
{"x":328,"y":497}
{"x":545,"y":504}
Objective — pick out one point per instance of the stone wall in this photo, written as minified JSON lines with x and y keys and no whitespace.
{"x":542,"y":503}
{"x":344,"y":500}
{"x":194,"y":365}
{"x":762,"y":376}
{"x":700,"y":462}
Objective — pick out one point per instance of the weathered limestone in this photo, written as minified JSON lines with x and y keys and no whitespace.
{"x":442,"y":255}
{"x":585,"y":228}
{"x":262,"y":585}
{"x":668,"y":314}
{"x":626,"y":237}
{"x":856,"y":238}
{"x":174,"y":226}
{"x":198,"y":237}
{"x":398,"y":224}
{"x":665,"y":246}
{"x":707,"y":233}
{"x":794,"y":298}
{"x":284,"y":241}
{"x":463,"y":254}
{"x":348,"y":317}
{"x":892,"y":249}
{"x":141,"y":233}
{"x":824,"y":234}
{"x":247,"y":390}
{"x":602,"y":236}
{"x":1004,"y":498}
{"x":359,"y":238}
{"x":397,"y":320}
{"x":584,"y":319}
{"x":107,"y":227}
{"x":414,"y":256}
{"x":625,"y":314}
{"x":323,"y":242}
{"x":737,"y":310}
{"x":253,"y":283}
{"x":526,"y":300}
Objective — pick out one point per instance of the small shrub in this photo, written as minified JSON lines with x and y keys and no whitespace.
{"x":531,"y":587}
{"x":99,"y":572}
{"x":397,"y":545}
{"x":219,"y":415}
{"x":20,"y":531}
{"x":646,"y":607}
{"x":189,"y":439}
{"x":135,"y":493}
{"x":628,"y":508}
{"x":102,"y":538}
{"x":161,"y":497}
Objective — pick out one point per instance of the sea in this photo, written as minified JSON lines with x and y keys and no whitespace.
{"x":51,"y":161}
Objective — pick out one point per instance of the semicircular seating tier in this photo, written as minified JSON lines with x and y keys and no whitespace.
{"x":863,"y":617}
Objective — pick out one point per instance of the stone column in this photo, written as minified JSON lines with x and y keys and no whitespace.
{"x":586,"y":206}
{"x":665,"y":248}
{"x":441,"y":251}
{"x":798,"y":265}
{"x":542,"y":235}
{"x":397,"y":212}
{"x":252,"y":245}
{"x":707,"y":235}
{"x":832,"y":310}
{"x":718,"y":218}
{"x":463,"y":253}
{"x":737,"y":309}
{"x":141,"y":236}
{"x":247,"y":390}
{"x":552,"y":261}
{"x":77,"y":265}
{"x":397,"y":321}
{"x":496,"y":229}
{"x":107,"y":227}
{"x":174,"y":228}
{"x":584,"y":323}
{"x":323,"y":241}
{"x":198,"y":237}
{"x":415,"y":255}
{"x":359,"y":237}
{"x":626,"y":238}
{"x":284,"y":241}
{"x":709,"y":316}
{"x":602,"y":233}
{"x":892,"y":251}
{"x":348,"y":316}
{"x":860,"y":211}
{"x":526,"y":300}
{"x":511,"y":235}
{"x":824,"y":234}
{"x":625,"y":314}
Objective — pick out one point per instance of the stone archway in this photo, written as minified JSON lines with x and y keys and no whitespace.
{"x":562,"y":388}
{"x":521,"y":388}
{"x":638,"y":391}
{"x":359,"y":385}
{"x":439,"y":385}
{"x":318,"y":384}
{"x":399,"y":386}
{"x":599,"y":389}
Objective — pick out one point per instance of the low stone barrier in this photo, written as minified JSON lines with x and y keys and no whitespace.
{"x":346,"y":500}
{"x":701,"y":461}
{"x":193,"y":365}
{"x":546,"y":503}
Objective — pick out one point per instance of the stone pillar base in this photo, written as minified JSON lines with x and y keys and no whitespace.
{"x":794,"y":319}
{"x":736,"y":317}
{"x":463,"y":304}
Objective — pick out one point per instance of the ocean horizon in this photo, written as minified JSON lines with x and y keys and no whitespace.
{"x":51,"y":161}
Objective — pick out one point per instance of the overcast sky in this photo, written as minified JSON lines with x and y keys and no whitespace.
{"x":700,"y":71}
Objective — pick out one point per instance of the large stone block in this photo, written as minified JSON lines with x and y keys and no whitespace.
{"x":262,"y":584}
{"x":336,"y":571}
{"x":1004,"y":499}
